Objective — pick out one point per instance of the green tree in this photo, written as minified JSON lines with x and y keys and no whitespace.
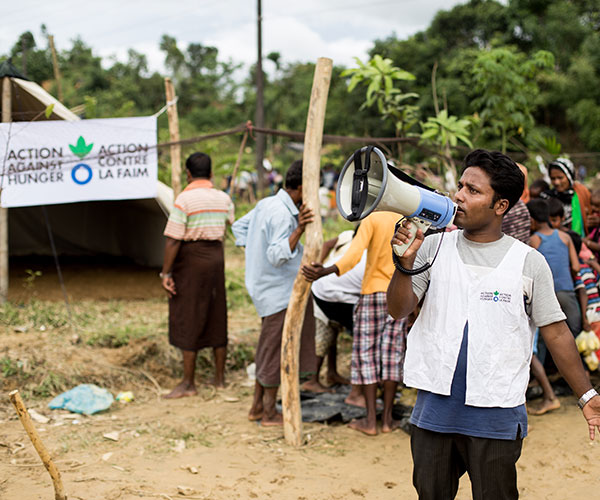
{"x":506,"y":88}
{"x":381,"y":77}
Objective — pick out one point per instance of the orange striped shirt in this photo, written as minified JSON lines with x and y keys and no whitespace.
{"x":200,"y":213}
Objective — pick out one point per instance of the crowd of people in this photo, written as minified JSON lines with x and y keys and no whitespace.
{"x":470,"y":349}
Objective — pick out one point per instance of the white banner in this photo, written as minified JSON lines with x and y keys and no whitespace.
{"x":45,"y":163}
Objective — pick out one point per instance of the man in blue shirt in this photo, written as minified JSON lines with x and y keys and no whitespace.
{"x":271,"y":234}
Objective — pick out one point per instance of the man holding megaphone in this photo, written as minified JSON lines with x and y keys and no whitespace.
{"x":469,"y":351}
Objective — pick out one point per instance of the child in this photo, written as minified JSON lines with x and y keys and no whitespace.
{"x":559,"y":251}
{"x":592,"y":240}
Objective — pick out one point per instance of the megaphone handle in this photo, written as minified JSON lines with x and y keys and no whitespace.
{"x":415,"y":225}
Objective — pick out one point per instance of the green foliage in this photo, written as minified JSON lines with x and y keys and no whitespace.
{"x":37,"y":314}
{"x":380,"y":76}
{"x":505,"y":84}
{"x":443,"y":130}
{"x":562,"y":103}
{"x":51,"y":385}
{"x":10,"y":367}
{"x":117,"y":336}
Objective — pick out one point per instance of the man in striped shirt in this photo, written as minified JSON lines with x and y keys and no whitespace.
{"x":193,"y":273}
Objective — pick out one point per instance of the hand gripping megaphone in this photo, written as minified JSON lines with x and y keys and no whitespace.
{"x":368,"y":183}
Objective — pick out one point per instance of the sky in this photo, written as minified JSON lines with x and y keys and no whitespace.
{"x":300,"y":31}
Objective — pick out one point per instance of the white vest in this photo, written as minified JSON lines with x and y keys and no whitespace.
{"x":500,"y":343}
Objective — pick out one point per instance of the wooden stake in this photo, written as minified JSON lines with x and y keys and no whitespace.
{"x":59,"y":492}
{"x":294,"y":318}
{"x":6,"y":118}
{"x":57,"y":76}
{"x":174,"y":133}
{"x":237,"y":164}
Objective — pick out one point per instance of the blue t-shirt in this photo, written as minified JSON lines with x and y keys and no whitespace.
{"x":450,"y":414}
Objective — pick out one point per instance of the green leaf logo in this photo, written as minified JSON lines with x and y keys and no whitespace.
{"x":496,"y":292}
{"x":81,"y":149}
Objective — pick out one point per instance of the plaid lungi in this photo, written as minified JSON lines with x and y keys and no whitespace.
{"x":379,"y":342}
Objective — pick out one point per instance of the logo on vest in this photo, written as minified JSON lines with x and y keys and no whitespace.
{"x":495,"y":296}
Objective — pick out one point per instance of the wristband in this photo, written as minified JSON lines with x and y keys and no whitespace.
{"x":165,"y":275}
{"x":583,"y":400}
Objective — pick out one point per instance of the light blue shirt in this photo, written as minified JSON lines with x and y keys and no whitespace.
{"x":271,"y":266}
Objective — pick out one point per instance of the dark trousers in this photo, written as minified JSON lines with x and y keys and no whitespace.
{"x":441,"y":459}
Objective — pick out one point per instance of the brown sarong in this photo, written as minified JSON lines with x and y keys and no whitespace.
{"x":198,"y":312}
{"x":268,"y":351}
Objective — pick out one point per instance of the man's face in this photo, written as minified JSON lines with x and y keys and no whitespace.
{"x":559,"y":180}
{"x":474,"y":199}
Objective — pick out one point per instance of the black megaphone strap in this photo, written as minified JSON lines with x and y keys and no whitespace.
{"x":360,"y":183}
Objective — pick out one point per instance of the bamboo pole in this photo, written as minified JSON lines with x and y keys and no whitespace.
{"x":237,"y":164}
{"x":174,"y":133}
{"x":57,"y":76}
{"x":59,"y":492}
{"x":6,"y":118}
{"x":294,"y":318}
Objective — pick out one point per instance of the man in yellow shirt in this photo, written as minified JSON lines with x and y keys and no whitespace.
{"x":379,"y":340}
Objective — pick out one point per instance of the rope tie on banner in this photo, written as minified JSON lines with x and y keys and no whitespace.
{"x":165,"y":107}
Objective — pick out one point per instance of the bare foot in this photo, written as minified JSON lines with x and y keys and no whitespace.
{"x":218,"y":383}
{"x":314,"y":386}
{"x":336,"y":378}
{"x":391,"y":426}
{"x":363,"y":426}
{"x":253,"y":417}
{"x":182,"y":390}
{"x":356,"y":400}
{"x":256,"y":412}
{"x":545,"y":406}
{"x":274,"y":421}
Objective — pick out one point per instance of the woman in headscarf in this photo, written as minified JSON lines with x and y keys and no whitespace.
{"x":574,"y":196}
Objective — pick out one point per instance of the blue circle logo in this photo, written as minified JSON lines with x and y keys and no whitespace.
{"x":495,"y":299}
{"x":88,"y":174}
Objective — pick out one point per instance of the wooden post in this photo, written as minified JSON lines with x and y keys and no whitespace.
{"x":294,"y":318}
{"x":59,"y":492}
{"x":174,"y":133}
{"x":237,"y":164}
{"x":6,"y":117}
{"x":56,"y":68}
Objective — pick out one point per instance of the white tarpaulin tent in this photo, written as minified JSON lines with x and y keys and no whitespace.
{"x":121,"y":228}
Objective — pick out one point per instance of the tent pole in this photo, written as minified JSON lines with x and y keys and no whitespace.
{"x":6,"y":118}
{"x":174,"y":133}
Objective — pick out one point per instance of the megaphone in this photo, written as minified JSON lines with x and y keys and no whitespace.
{"x":368,"y":183}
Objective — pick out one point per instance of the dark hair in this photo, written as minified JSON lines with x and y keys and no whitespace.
{"x":293,"y":177}
{"x":576,"y":240}
{"x":538,"y":209}
{"x":540,"y":184}
{"x":199,"y":165}
{"x":555,"y":207}
{"x":506,"y":177}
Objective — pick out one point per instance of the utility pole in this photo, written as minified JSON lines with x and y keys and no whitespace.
{"x":259,"y":118}
{"x":56,"y":69}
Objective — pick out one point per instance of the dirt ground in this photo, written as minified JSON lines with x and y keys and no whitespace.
{"x":204,"y":447}
{"x":235,"y":458}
